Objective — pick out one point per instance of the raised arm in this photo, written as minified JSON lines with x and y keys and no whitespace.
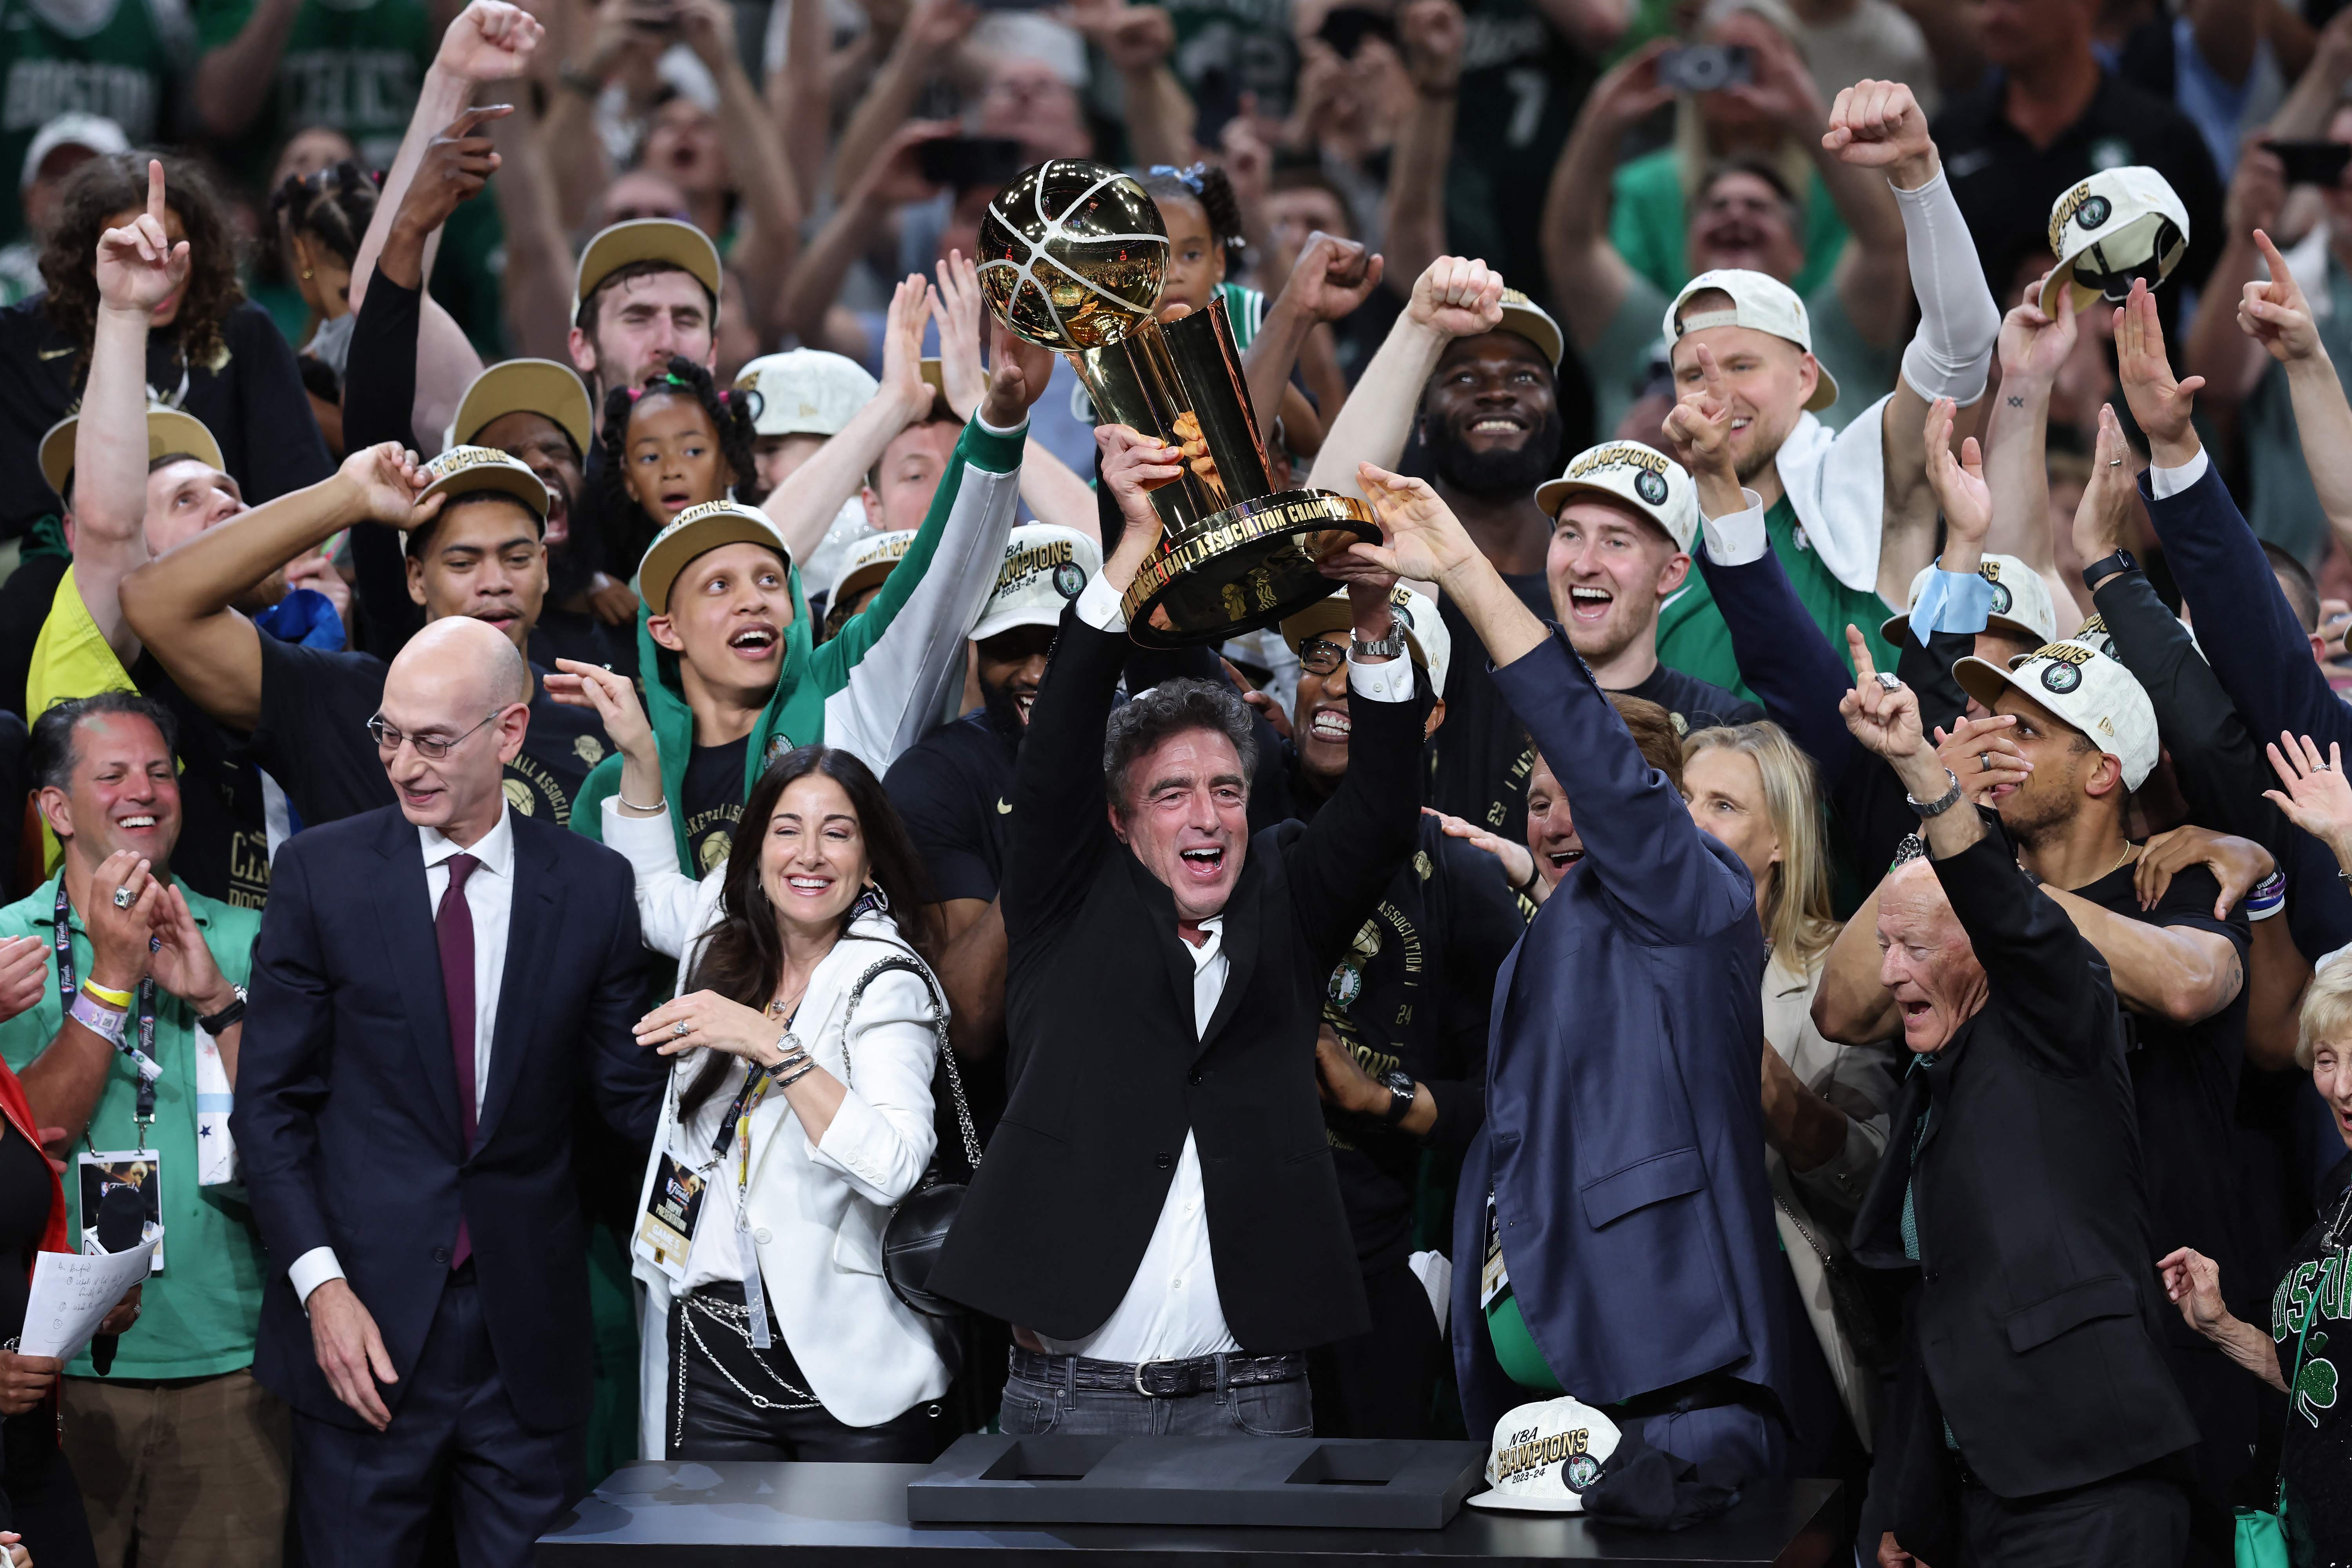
{"x":1433,"y":35}
{"x":1588,"y":279}
{"x":892,"y":178}
{"x":138,"y":269}
{"x":2033,"y":348}
{"x":229,"y":90}
{"x":923,"y":47}
{"x":179,"y":604}
{"x":802,"y":509}
{"x":1139,"y":41}
{"x":2276,"y":316}
{"x":2218,"y":347}
{"x":1878,"y":125}
{"x":1454,"y":298}
{"x":1052,"y":492}
{"x":1330,"y":279}
{"x":771,"y":205}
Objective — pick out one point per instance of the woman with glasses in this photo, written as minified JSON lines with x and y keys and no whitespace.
{"x":805,"y":1034}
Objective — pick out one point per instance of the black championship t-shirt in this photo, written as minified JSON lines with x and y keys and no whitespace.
{"x":224,"y":848}
{"x":954,"y":790}
{"x":2317,"y":1455}
{"x":1412,"y":993}
{"x":313,"y":738}
{"x":1692,"y":704}
{"x":2185,"y":1089}
{"x":712,"y":794}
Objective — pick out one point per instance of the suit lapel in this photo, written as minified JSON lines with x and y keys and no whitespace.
{"x":530,"y":924}
{"x":1160,"y":915}
{"x":405,"y":918}
{"x":1240,"y":944}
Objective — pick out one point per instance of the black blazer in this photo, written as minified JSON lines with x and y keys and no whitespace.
{"x":1106,"y":1071}
{"x":347,"y":1114}
{"x":2038,"y":1320}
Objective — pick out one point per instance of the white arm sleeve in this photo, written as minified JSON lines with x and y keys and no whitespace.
{"x":665,"y":895}
{"x":1951,"y":351}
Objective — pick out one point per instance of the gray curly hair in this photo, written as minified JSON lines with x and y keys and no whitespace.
{"x":1168,"y":709}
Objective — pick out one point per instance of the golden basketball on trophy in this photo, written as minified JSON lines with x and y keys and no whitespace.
{"x":1071,"y":258}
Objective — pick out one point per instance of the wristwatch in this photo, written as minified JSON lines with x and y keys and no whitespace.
{"x":1389,"y":647}
{"x":214,"y":1022}
{"x":1403,"y":1093}
{"x":2106,"y":566}
{"x":1940,"y":805}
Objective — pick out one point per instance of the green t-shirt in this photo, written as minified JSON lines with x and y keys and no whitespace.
{"x":197,"y":1316}
{"x":119,"y":60}
{"x":1620,"y":358}
{"x":1692,"y":639}
{"x":1227,"y":48}
{"x":1648,"y":221}
{"x":355,"y":65}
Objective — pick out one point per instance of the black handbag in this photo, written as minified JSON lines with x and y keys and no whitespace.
{"x":917,"y":1227}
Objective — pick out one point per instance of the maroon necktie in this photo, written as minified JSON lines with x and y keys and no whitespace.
{"x":453,"y":932}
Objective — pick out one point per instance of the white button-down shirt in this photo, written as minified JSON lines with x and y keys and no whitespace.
{"x":1170,"y":1310}
{"x":490,"y":898}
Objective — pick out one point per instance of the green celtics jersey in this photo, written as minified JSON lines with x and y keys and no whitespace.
{"x":1692,"y":639}
{"x":113,"y":58}
{"x":1227,"y":48}
{"x":1246,"y":308}
{"x":355,"y":65}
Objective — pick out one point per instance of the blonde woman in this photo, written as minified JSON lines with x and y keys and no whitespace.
{"x":1826,"y":1106}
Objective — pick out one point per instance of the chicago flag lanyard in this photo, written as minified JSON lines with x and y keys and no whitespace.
{"x":141,"y":1053}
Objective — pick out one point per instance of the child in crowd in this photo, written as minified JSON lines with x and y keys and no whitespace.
{"x":674,"y":444}
{"x":1204,"y":243}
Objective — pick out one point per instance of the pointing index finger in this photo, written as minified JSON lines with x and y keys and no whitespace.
{"x":155,"y":204}
{"x":1863,"y":670}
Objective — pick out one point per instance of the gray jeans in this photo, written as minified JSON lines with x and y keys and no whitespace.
{"x":1033,"y":1409}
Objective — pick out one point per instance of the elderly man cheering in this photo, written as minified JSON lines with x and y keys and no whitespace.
{"x":2034,"y":1417}
{"x":1158,"y":1213}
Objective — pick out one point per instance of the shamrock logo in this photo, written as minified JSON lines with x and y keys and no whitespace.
{"x":2315,"y":1386}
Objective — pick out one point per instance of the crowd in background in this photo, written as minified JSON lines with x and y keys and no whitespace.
{"x":583,"y":770}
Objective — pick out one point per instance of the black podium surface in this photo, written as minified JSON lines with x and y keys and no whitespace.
{"x":747,"y":1515}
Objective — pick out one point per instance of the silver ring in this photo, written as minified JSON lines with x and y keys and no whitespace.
{"x":681,"y":1028}
{"x":2115,"y":462}
{"x":122,"y":898}
{"x":1984,"y":762}
{"x":1889,"y":681}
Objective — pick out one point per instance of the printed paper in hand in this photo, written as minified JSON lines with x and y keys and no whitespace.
{"x":71,"y":1296}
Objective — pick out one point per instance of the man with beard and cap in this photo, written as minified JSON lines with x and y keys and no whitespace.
{"x":471,"y":519}
{"x":1401,"y":1054}
{"x":1743,"y":215}
{"x":1850,"y":515}
{"x":734,"y":676}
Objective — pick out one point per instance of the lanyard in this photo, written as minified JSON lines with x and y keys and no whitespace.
{"x":142,"y":1054}
{"x":737,"y":1129}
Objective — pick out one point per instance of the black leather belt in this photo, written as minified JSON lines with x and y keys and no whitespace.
{"x":1157,"y":1379}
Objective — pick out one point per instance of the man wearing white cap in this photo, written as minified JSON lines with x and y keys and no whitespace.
{"x":954,"y":787}
{"x":2072,"y":735}
{"x":58,"y":148}
{"x":1851,"y":515}
{"x":1401,"y":1052}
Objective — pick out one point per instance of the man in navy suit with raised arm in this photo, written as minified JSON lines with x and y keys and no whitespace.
{"x":435,"y":984}
{"x":1615,"y":1230}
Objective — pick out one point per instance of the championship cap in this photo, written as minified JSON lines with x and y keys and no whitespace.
{"x":1761,"y":301}
{"x":1426,"y":639}
{"x":2083,"y":686}
{"x":1547,"y":1455}
{"x":95,"y":131}
{"x":2095,"y":633}
{"x":463,"y":469}
{"x":2118,"y":224}
{"x":1642,"y":477}
{"x":537,"y":387}
{"x":170,"y":433}
{"x":698,"y":531}
{"x":1533,"y":323}
{"x":1045,"y":566}
{"x":2020,"y":602}
{"x":805,"y":392}
{"x":681,"y":245}
{"x":866,"y":563}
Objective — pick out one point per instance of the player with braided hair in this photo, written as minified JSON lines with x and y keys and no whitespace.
{"x":677,"y":442}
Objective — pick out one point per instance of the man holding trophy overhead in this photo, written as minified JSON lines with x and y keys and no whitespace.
{"x":1158,"y":1215}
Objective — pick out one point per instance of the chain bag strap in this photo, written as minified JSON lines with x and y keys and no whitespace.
{"x":919,"y":1225}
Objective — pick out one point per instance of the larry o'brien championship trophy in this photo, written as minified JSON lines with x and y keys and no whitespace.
{"x":1071,"y":256}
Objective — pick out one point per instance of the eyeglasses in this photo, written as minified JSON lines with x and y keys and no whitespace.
{"x":1321,"y":656}
{"x":432,"y":748}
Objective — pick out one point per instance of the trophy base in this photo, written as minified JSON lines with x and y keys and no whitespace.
{"x":1243,"y":568}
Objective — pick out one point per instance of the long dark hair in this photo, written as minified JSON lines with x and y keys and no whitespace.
{"x":745,"y":957}
{"x":731,"y":418}
{"x":105,"y":186}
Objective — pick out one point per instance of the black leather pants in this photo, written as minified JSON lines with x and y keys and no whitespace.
{"x":729,"y":1400}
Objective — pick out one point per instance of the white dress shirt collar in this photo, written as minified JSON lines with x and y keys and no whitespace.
{"x":494,"y":849}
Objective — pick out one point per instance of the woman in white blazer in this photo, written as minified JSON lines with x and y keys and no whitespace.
{"x":772,"y":943}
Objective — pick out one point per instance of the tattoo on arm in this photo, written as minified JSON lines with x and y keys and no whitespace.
{"x":2015,"y":401}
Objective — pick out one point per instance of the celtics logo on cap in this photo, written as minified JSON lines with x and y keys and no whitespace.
{"x":2094,"y":212}
{"x":2000,"y":599}
{"x":1650,"y":487}
{"x":1581,"y":1471}
{"x":2061,"y":678}
{"x":1069,"y":579}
